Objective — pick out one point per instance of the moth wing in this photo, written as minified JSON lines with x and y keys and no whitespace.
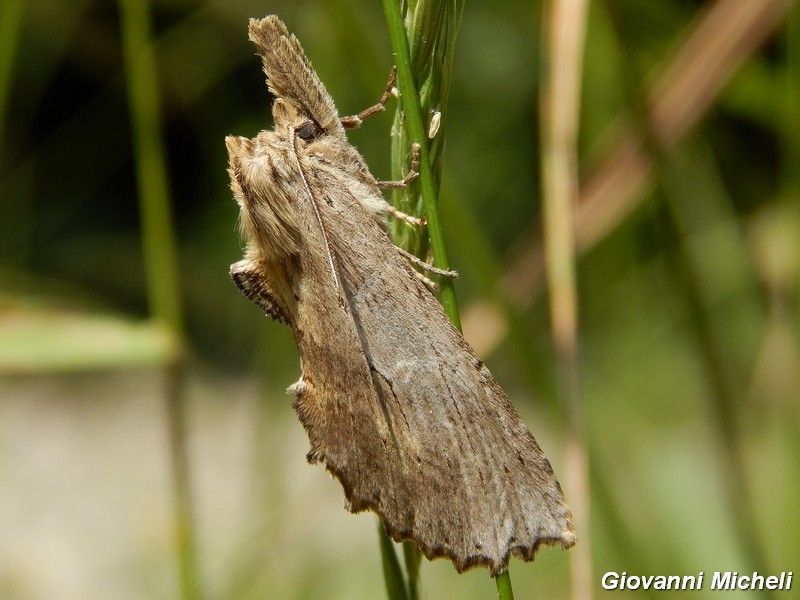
{"x":411,"y":421}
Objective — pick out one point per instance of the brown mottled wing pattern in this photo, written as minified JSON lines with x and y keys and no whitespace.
{"x":417,"y":430}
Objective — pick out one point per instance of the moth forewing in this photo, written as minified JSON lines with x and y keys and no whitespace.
{"x":395,"y":403}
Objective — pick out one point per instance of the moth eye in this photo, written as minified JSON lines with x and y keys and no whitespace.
{"x":307,"y":131}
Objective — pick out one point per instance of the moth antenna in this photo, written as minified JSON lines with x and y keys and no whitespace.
{"x":353,"y":121}
{"x":427,"y":266}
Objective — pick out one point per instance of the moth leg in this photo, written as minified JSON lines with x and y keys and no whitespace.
{"x":430,"y":284}
{"x":355,"y":120}
{"x":426,"y":266}
{"x":397,"y":214}
{"x":412,"y":174}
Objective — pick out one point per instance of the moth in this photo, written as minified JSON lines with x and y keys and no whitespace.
{"x":395,"y":403}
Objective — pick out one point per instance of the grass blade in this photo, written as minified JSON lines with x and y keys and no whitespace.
{"x":161,"y":264}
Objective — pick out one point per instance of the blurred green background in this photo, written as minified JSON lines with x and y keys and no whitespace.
{"x":689,"y":345}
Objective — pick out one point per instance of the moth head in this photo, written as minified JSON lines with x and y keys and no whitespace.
{"x":309,"y":137}
{"x":261,"y":181}
{"x":289,"y":115}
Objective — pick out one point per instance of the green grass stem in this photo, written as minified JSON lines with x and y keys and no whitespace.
{"x":10,"y":24}
{"x":392,"y":573}
{"x":416,"y":130}
{"x":161,"y":265}
{"x":427,"y":19}
{"x":503,"y":582}
{"x":413,"y":559}
{"x":158,"y":242}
